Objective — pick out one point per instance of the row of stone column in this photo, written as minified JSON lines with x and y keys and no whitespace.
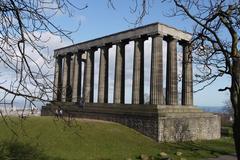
{"x":68,"y":85}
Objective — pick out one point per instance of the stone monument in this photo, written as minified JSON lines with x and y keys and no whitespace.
{"x":163,"y":119}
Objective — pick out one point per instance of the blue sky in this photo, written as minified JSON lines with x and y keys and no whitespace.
{"x":100,"y":20}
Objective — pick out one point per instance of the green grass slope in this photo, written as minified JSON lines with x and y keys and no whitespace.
{"x":49,"y":138}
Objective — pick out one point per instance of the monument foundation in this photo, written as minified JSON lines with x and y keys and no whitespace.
{"x":161,"y":123}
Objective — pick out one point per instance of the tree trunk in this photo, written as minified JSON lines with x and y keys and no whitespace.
{"x":235,"y":99}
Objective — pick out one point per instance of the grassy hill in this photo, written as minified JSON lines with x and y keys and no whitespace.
{"x":49,"y":138}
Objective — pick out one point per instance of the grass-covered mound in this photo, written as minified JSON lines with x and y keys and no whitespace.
{"x":44,"y":138}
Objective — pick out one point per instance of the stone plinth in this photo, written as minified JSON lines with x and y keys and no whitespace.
{"x":157,"y":122}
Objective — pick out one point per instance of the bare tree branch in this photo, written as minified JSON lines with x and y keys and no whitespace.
{"x":23,"y":44}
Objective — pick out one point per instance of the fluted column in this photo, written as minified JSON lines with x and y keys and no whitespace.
{"x":156,"y":82}
{"x":71,"y":76}
{"x":64,"y":81}
{"x":138,"y":72}
{"x":77,"y":77}
{"x":119,"y":82}
{"x":103,"y":76}
{"x":171,"y":86}
{"x":66,"y":85}
{"x":57,"y":88}
{"x":187,"y":86}
{"x":89,"y":76}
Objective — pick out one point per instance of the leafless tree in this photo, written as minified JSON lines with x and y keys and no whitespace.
{"x":24,"y":47}
{"x":216,"y":43}
{"x":138,"y":8}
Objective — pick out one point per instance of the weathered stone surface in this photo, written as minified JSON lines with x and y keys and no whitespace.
{"x":188,"y":127}
{"x":156,"y":84}
{"x":187,"y":83}
{"x":103,"y":76}
{"x":119,"y":85}
{"x":70,"y":78}
{"x":57,"y":92}
{"x":89,"y":77}
{"x":77,"y":75}
{"x":172,"y":83}
{"x":67,"y":79}
{"x":138,"y":72}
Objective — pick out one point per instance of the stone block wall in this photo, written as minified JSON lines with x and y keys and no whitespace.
{"x":185,"y":128}
{"x":158,"y":123}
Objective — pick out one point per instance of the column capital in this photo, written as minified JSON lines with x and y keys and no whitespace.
{"x":140,"y":37}
{"x":106,"y":46}
{"x":157,"y":34}
{"x":170,"y":38}
{"x":69,"y":56}
{"x":81,"y":51}
{"x":59,"y":57}
{"x":185,"y":43}
{"x":122,"y":42}
{"x":79,"y":54}
{"x":90,"y":50}
{"x":69,"y":53}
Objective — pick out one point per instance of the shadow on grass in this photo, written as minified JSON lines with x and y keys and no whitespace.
{"x":15,"y":150}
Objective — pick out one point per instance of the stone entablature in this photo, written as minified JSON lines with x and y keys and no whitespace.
{"x":143,"y":31}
